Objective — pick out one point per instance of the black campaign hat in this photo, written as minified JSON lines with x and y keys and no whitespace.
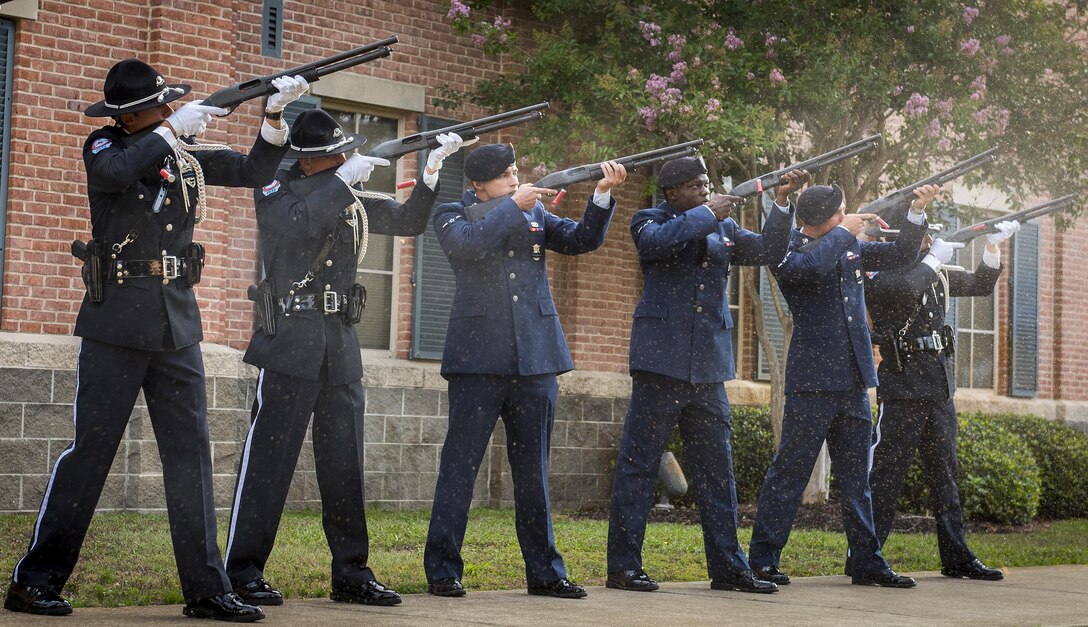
{"x":132,"y":85}
{"x":680,"y":170}
{"x":488,"y":162}
{"x":315,"y":133}
{"x":818,"y":203}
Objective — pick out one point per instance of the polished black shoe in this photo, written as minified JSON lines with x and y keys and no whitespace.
{"x":560,"y":588}
{"x":745,"y":581}
{"x":447,"y":587}
{"x":886,"y":578}
{"x":974,"y":569}
{"x":631,"y":580}
{"x":772,"y":574}
{"x":36,"y":600}
{"x":259,"y":592}
{"x":368,"y":593}
{"x":227,"y":606}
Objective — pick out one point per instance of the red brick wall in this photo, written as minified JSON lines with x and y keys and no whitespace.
{"x":61,"y":61}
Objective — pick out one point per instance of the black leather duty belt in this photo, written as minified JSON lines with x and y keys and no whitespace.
{"x":327,"y":302}
{"x":932,"y":342}
{"x":168,"y":267}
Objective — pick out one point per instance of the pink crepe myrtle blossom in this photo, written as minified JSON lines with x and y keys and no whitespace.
{"x":969,"y":15}
{"x":916,"y":105}
{"x":457,"y":10}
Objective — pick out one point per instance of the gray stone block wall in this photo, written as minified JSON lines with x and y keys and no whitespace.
{"x":404,"y":428}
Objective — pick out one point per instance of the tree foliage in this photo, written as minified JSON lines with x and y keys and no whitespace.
{"x":768,"y":82}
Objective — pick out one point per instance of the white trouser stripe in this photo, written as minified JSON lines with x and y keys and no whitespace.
{"x":876,"y":442}
{"x":245,"y":464}
{"x":53,"y":475}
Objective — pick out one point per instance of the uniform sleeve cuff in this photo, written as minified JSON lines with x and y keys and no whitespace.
{"x":168,"y":135}
{"x":932,"y":262}
{"x":916,"y":218}
{"x":431,"y":179}
{"x":272,"y":135}
{"x":602,"y":200}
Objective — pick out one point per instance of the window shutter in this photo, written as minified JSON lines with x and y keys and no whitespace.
{"x":434,"y":280}
{"x":1024,"y":321}
{"x":771,"y":324}
{"x":7,"y":55}
{"x":272,"y":29}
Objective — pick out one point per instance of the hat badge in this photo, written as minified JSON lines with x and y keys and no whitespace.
{"x":159,"y":81}
{"x":337,"y":132}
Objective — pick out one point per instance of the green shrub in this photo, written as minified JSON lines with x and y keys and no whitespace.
{"x":999,"y":479}
{"x":753,"y":449}
{"x":1062,"y":454}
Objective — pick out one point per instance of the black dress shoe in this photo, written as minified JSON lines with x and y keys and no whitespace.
{"x":259,"y":592}
{"x":227,"y":606}
{"x":632,"y":580}
{"x":974,"y":569}
{"x":560,"y":588}
{"x":36,"y":600}
{"x":772,"y":574}
{"x":447,"y":587}
{"x":886,"y":578}
{"x":367,"y":593}
{"x":745,"y":581}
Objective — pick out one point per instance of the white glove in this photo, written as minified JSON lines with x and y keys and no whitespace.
{"x":942,"y":251}
{"x":449,"y":144}
{"x":358,"y":169}
{"x":192,"y":119}
{"x":1005,"y":230}
{"x":291,"y":88}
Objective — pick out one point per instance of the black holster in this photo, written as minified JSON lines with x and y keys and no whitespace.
{"x":93,"y":255}
{"x":261,"y":295}
{"x":356,"y":303}
{"x":948,"y":338}
{"x":889,"y":351}
{"x":195,"y":266}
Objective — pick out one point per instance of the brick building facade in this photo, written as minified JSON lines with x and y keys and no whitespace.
{"x":58,"y":55}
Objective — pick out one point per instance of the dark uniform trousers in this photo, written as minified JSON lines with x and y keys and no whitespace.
{"x":527,"y":407}
{"x":845,"y":421}
{"x":281,"y":414}
{"x":928,"y":427}
{"x":829,"y":369}
{"x":108,"y":380}
{"x":658,"y":403}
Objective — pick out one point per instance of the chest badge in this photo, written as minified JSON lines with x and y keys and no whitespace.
{"x":534,"y":227}
{"x":727,"y":241}
{"x":537,"y":252}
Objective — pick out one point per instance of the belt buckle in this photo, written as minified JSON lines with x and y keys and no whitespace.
{"x":170,"y":267}
{"x":938,"y":344}
{"x":332,"y":302}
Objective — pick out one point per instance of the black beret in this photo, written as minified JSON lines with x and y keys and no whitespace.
{"x":679,"y":171}
{"x":818,"y":203}
{"x":488,"y":162}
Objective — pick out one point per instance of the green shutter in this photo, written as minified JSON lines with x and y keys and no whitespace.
{"x":7,"y":56}
{"x":1024,"y":321}
{"x":433,"y":278}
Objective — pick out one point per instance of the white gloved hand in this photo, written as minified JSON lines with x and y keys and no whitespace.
{"x":358,"y":169}
{"x":449,"y":144}
{"x":291,"y":88}
{"x":942,"y":251}
{"x":1005,"y":230}
{"x":192,"y":119}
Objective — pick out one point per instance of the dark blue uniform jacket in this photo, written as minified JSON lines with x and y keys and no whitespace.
{"x":122,"y":183}
{"x":824,"y":287}
{"x":503,"y":320}
{"x":682,"y":323}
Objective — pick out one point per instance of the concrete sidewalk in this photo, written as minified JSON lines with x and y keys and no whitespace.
{"x":1051,"y":595}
